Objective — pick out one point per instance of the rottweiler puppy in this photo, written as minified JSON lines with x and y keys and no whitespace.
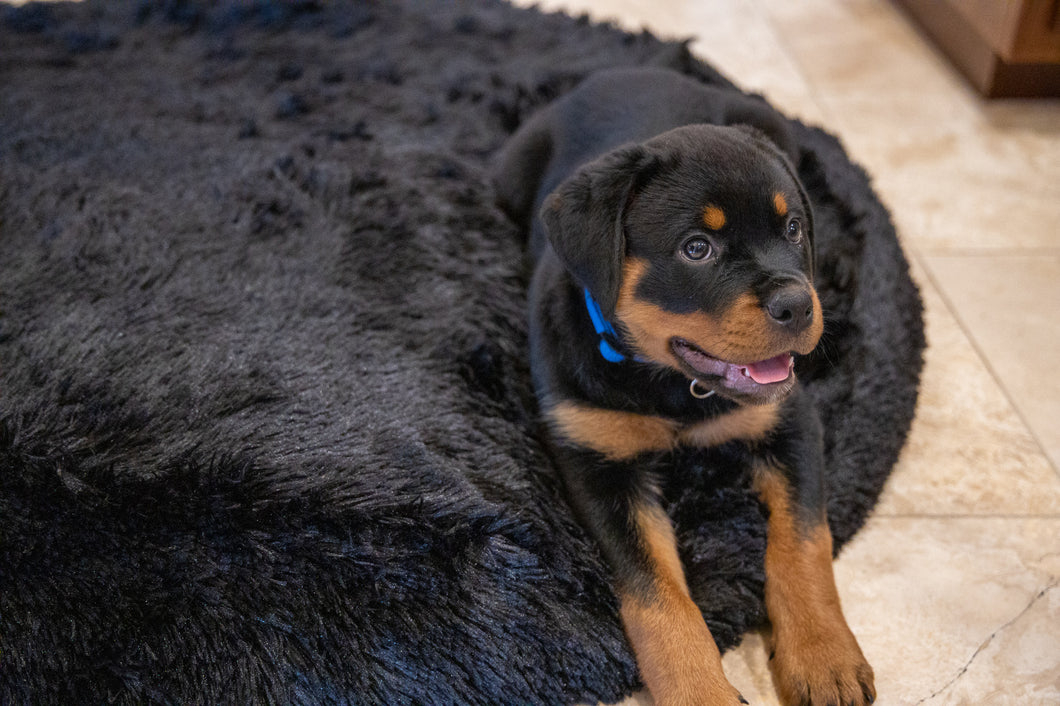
{"x":672,"y":292}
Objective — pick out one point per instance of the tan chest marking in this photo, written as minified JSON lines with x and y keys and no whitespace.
{"x":624,"y":435}
{"x":617,"y":435}
{"x":743,"y":423}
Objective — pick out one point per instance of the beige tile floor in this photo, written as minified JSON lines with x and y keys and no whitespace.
{"x":952,"y":587}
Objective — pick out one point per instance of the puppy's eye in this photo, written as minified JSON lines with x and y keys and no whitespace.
{"x":697,"y":249}
{"x":794,"y":232}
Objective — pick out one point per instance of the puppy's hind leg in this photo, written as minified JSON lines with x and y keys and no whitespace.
{"x":519,"y":166}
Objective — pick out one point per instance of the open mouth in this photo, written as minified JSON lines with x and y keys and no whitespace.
{"x":769,"y":377}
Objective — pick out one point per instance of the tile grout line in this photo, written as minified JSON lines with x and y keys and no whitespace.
{"x":930,"y":274}
{"x":781,"y":37}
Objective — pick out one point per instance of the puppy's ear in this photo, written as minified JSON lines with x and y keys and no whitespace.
{"x":584,"y":220}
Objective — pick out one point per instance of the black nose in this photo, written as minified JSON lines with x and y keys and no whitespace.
{"x":791,"y":306}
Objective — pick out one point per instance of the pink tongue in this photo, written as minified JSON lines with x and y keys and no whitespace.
{"x":772,"y":370}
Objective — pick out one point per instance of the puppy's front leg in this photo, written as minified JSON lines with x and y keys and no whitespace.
{"x":676,"y":653}
{"x":816,"y":660}
{"x":678,"y":659}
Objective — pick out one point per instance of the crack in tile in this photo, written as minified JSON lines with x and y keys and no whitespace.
{"x":985,"y":643}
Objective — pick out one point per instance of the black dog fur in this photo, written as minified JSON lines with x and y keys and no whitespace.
{"x":673,"y":210}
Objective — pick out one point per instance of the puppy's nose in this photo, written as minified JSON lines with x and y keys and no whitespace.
{"x":791,"y":307}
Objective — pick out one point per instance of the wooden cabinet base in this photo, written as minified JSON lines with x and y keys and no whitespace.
{"x":1012,"y":57}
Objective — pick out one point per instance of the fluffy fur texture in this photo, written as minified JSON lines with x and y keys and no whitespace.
{"x":266,"y":427}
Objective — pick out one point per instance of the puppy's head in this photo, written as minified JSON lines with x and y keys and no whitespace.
{"x":698,"y":244}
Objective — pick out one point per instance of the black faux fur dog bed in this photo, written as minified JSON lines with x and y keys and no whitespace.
{"x":266,"y":429}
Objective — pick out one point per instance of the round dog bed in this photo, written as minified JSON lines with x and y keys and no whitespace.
{"x":266,"y":425}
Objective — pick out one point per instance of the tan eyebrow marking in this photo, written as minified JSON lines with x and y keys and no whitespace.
{"x":714,"y":217}
{"x":780,"y":204}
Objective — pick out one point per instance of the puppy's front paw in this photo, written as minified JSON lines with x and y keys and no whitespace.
{"x":722,"y":696}
{"x":728,"y":696}
{"x":826,"y":669}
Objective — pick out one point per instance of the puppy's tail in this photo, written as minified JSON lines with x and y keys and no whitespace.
{"x":519,"y":166}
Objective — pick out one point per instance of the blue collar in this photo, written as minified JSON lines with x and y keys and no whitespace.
{"x":604,"y":330}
